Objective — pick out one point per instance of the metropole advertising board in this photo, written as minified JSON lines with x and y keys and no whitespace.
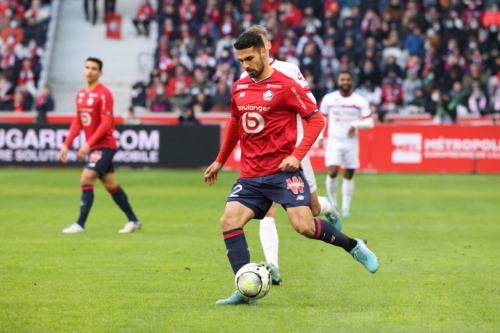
{"x":450,"y":149}
{"x":138,"y":145}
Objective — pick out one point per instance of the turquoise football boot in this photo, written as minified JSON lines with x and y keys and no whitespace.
{"x":345,"y":213}
{"x":237,"y":299}
{"x":334,"y":217}
{"x":275,"y":273}
{"x":366,"y":257}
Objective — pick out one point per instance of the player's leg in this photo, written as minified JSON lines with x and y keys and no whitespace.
{"x":333,"y":159}
{"x":347,"y":191}
{"x":332,"y":183}
{"x":304,"y":223}
{"x":245,"y":202}
{"x":270,"y":242}
{"x":111,"y":185}
{"x":321,"y":206}
{"x":351,"y":163}
{"x":87,"y":181}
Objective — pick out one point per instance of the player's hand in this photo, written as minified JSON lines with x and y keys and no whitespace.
{"x":63,"y":153}
{"x":212,"y":173}
{"x":320,"y":143}
{"x":352,"y":132}
{"x":83,"y":151}
{"x":290,"y":164}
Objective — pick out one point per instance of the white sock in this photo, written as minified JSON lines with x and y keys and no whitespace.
{"x":326,"y":206}
{"x":269,"y":240}
{"x":331,"y":187}
{"x":347,"y":191}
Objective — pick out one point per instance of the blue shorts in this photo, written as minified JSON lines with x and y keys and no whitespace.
{"x":101,"y":160}
{"x":290,"y":189}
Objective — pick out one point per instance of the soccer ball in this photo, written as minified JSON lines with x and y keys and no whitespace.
{"x":253,"y":281}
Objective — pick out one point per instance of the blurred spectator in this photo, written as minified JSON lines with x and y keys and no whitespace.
{"x":491,"y":16}
{"x":441,"y":109}
{"x":27,"y":97}
{"x":6,"y":94}
{"x":180,"y":75}
{"x":138,"y":96}
{"x":414,"y":43}
{"x":201,"y":83}
{"x":202,"y":101}
{"x":392,"y":90}
{"x":181,"y":99}
{"x":221,"y":100}
{"x":157,"y":96}
{"x":130,"y":118}
{"x":475,"y":74}
{"x":39,"y":12}
{"x":145,"y":14}
{"x":370,"y":72}
{"x":410,"y":84}
{"x":44,"y":104}
{"x":419,"y":103}
{"x":188,"y":118}
{"x":457,"y":95}
{"x":477,"y":101}
{"x":86,"y":9}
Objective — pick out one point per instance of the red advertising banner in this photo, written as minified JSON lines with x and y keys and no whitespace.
{"x":113,"y":26}
{"x":419,"y":149}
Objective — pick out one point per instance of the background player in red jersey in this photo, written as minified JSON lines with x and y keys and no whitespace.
{"x":94,"y":114}
{"x":264,"y":106}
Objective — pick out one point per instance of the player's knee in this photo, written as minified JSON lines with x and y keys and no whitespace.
{"x":333,"y":172}
{"x":315,"y":208}
{"x":305,"y":228}
{"x":227,"y":222}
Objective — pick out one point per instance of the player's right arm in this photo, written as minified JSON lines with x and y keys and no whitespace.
{"x":74,"y":131}
{"x":230,"y":140}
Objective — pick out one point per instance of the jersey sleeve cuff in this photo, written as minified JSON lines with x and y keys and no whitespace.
{"x":310,"y":114}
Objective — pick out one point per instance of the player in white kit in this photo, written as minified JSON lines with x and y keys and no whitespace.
{"x":346,"y":112}
{"x":320,"y":205}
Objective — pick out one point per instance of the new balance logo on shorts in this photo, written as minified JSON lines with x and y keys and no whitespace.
{"x":295,"y":184}
{"x":300,"y":197}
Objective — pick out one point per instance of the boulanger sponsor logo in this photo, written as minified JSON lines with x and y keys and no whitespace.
{"x":407,"y":148}
{"x":253,"y":108}
{"x":412,"y":148}
{"x":43,"y":145}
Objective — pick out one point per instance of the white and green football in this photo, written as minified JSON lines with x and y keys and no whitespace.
{"x":253,"y":280}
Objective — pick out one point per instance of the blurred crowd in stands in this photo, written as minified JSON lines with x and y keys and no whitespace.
{"x":436,"y":56}
{"x":23,"y":26}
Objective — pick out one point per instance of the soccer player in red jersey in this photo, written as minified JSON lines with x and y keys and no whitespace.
{"x":94,"y":114}
{"x":263,"y":118}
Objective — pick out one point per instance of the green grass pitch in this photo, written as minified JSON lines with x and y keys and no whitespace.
{"x":437,"y":238}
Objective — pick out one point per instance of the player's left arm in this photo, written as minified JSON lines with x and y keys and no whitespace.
{"x":105,"y":125}
{"x":365,"y":121}
{"x":297,"y":101}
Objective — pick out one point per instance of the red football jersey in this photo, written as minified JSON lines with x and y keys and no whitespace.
{"x":266,"y":112}
{"x":90,"y":105}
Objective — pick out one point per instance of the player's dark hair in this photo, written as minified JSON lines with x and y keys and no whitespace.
{"x":345,"y":71}
{"x":97,"y":61}
{"x":249,"y":39}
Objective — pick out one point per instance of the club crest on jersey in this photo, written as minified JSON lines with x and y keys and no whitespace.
{"x":95,"y":157}
{"x":268,"y":96}
{"x":295,"y":184}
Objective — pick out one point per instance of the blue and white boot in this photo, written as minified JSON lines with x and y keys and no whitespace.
{"x":334,"y":217}
{"x":237,"y":299}
{"x":366,"y":257}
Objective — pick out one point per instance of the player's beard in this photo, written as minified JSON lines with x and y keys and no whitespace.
{"x":345,"y":89}
{"x":257,"y":72}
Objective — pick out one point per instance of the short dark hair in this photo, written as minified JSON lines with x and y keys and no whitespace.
{"x":249,"y":39}
{"x":345,"y":71}
{"x":97,"y":61}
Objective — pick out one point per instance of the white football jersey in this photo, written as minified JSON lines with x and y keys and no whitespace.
{"x":293,"y":72}
{"x":344,"y":112}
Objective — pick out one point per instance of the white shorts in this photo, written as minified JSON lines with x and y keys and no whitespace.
{"x":309,"y":173}
{"x":342,"y":152}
